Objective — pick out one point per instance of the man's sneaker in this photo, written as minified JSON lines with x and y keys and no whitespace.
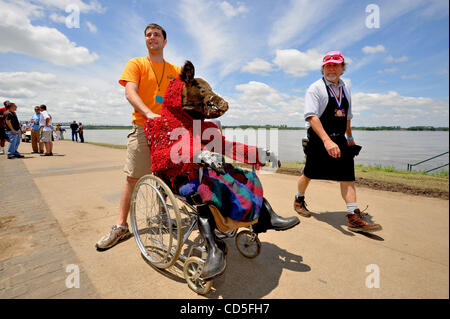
{"x":300,"y":207}
{"x":19,"y":156}
{"x":115,"y":235}
{"x":11,"y":156}
{"x":358,"y":223}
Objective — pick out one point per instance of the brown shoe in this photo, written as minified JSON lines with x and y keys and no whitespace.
{"x":300,"y":207}
{"x":357,"y":223}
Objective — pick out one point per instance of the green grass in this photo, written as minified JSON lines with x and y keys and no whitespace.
{"x":438,"y":180}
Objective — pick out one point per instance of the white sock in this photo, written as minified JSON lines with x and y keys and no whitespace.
{"x":299,"y":195}
{"x":351,"y":207}
{"x":120,"y":226}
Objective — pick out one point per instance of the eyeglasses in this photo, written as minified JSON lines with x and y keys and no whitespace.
{"x":332,"y":57}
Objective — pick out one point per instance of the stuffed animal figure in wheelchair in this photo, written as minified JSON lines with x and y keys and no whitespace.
{"x":226,"y":197}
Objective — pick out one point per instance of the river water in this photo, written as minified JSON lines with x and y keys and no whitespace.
{"x":386,"y":148}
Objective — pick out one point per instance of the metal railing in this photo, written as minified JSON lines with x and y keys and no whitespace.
{"x":410,"y":166}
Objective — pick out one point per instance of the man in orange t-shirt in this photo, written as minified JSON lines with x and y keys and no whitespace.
{"x":145,"y":80}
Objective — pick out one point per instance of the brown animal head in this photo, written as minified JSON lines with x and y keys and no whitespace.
{"x":198,"y":99}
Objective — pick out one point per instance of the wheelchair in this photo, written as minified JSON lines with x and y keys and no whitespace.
{"x":162,"y":223}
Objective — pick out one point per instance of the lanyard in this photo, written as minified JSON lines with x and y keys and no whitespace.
{"x":156,"y":77}
{"x":338,"y":99}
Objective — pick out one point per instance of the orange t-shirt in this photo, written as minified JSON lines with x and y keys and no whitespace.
{"x":139,"y":70}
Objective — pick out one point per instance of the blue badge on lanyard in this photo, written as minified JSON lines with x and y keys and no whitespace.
{"x":159,"y":99}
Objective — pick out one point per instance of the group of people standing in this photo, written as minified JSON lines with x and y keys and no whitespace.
{"x":11,"y":130}
{"x":77,"y":130}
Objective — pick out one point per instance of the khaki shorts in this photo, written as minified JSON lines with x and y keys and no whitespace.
{"x":138,"y":162}
{"x":46,"y":136}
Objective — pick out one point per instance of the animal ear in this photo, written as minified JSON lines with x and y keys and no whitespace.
{"x":187,"y":72}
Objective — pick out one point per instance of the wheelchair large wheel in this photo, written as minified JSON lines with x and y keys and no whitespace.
{"x":248,"y":244}
{"x":156,"y":222}
{"x":192,"y":270}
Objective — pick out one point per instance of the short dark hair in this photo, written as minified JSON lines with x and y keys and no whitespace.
{"x":43,"y":106}
{"x":6,"y":103}
{"x":155,"y":26}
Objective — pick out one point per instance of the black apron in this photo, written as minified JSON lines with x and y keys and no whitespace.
{"x":319,"y":164}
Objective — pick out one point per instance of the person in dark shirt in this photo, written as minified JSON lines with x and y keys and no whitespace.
{"x":80,"y":132}
{"x":74,"y":127}
{"x":13,"y":131}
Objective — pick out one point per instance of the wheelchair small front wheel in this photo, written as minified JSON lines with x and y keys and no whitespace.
{"x":248,"y":244}
{"x":192,"y":270}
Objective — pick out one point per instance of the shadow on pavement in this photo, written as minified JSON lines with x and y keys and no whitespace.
{"x":339,"y":221}
{"x":255,"y":278}
{"x":243,"y":277}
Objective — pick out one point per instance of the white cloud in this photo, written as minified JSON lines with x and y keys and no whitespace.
{"x":231,"y":11}
{"x":391,"y":59}
{"x":258,"y":66}
{"x":394,"y":99}
{"x":92,"y":28}
{"x":41,"y":42}
{"x":372,"y":50}
{"x":57,"y":18}
{"x":88,"y":100}
{"x":92,"y":6}
{"x":389,"y":108}
{"x":410,"y":77}
{"x":216,"y":36}
{"x":259,"y":103}
{"x":388,"y":70}
{"x":297,"y":63}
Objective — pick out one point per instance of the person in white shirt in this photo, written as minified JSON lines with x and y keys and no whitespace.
{"x":47,"y":130}
{"x":331,"y":148}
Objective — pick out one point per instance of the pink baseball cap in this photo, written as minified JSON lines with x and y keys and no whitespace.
{"x":333,"y":57}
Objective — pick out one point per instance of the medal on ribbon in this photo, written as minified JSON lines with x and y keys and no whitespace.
{"x":338,"y":112}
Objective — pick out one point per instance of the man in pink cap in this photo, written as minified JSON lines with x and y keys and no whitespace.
{"x":330,"y":146}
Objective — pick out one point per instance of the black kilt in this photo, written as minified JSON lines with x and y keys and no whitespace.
{"x":320,"y":165}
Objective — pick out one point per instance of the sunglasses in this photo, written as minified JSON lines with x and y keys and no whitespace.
{"x":332,"y":57}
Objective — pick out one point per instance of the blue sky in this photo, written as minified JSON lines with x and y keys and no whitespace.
{"x":261,"y":56}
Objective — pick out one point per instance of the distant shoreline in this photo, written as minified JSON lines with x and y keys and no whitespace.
{"x":283,"y":127}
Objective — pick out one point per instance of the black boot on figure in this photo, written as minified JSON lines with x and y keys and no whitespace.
{"x":268,"y":219}
{"x":215,"y":263}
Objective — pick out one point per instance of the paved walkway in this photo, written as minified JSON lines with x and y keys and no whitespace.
{"x":34,"y":252}
{"x":54,"y":209}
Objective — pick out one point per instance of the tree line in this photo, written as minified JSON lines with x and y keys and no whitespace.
{"x":285,"y":127}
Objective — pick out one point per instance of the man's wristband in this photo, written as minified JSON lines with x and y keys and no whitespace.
{"x":350,"y":138}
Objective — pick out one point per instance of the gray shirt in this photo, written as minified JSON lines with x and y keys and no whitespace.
{"x":316,"y":99}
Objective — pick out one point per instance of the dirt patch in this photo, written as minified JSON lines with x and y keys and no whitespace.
{"x":383,"y":185}
{"x":401,"y":188}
